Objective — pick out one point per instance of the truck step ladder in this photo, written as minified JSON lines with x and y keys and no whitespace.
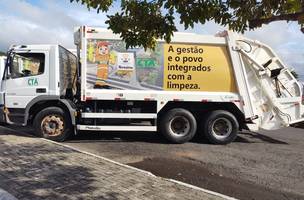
{"x":129,"y":127}
{"x":116,"y":128}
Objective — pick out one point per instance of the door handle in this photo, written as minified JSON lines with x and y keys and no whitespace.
{"x":41,"y":90}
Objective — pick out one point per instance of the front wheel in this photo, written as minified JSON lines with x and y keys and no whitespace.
{"x":178,"y":125}
{"x":52,"y":123}
{"x":220,"y":127}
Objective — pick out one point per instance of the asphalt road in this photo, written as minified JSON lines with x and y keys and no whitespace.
{"x":264,"y":165}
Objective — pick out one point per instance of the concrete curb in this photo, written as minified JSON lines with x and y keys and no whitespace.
{"x":142,"y":171}
{"x":129,"y":167}
{"x":97,"y":156}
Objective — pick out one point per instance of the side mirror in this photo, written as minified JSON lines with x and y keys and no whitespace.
{"x":8,"y":76}
{"x":26,"y":72}
{"x":9,"y":64}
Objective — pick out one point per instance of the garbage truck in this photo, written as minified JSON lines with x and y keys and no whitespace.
{"x":213,"y":86}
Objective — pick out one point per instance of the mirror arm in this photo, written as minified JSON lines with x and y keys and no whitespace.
{"x":8,"y":64}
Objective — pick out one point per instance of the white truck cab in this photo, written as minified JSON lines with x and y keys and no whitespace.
{"x":35,"y":73}
{"x":210,"y":85}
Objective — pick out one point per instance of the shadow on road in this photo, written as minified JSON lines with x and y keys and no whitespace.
{"x":14,"y":130}
{"x":252,"y":137}
{"x":92,"y":137}
{"x":148,"y":137}
{"x":184,"y":171}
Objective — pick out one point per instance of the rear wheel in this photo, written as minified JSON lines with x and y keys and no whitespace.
{"x":52,"y":123}
{"x":178,"y":125}
{"x":220,"y":127}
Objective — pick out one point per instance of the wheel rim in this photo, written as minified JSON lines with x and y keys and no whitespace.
{"x":221,"y":128}
{"x":52,"y":125}
{"x":179,"y":126}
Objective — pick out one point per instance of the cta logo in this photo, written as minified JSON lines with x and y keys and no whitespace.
{"x":32,"y":82}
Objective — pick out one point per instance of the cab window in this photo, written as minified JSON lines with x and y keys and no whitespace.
{"x":27,"y":64}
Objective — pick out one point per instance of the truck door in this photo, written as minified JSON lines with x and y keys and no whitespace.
{"x":26,"y":78}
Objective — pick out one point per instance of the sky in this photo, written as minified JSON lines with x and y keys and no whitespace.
{"x":53,"y":21}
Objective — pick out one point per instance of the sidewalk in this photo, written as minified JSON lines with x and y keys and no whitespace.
{"x":6,"y":196}
{"x":33,"y":168}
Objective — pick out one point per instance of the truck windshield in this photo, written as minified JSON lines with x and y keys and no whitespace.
{"x":27,"y":64}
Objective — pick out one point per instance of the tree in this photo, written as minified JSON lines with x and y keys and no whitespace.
{"x":2,"y":53}
{"x":141,"y":22}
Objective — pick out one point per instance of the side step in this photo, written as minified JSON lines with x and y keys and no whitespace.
{"x":116,"y":128}
{"x":120,"y":115}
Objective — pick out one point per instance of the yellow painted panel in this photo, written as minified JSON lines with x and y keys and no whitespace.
{"x":197,"y":68}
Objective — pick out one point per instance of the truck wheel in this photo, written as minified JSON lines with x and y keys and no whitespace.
{"x":52,"y":123}
{"x":220,"y":127}
{"x":178,"y":125}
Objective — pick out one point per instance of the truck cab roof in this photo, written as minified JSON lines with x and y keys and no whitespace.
{"x":34,"y":47}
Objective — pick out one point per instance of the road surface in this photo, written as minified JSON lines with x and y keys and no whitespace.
{"x":264,"y":165}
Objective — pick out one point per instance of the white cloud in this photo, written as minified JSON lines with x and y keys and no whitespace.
{"x":286,"y":39}
{"x":26,"y":32}
{"x":49,"y":22}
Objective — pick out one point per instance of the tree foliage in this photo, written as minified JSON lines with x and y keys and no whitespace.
{"x":141,"y":22}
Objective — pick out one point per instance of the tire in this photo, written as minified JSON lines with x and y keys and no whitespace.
{"x":53,"y":124}
{"x":220,"y":127}
{"x":178,"y":125}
